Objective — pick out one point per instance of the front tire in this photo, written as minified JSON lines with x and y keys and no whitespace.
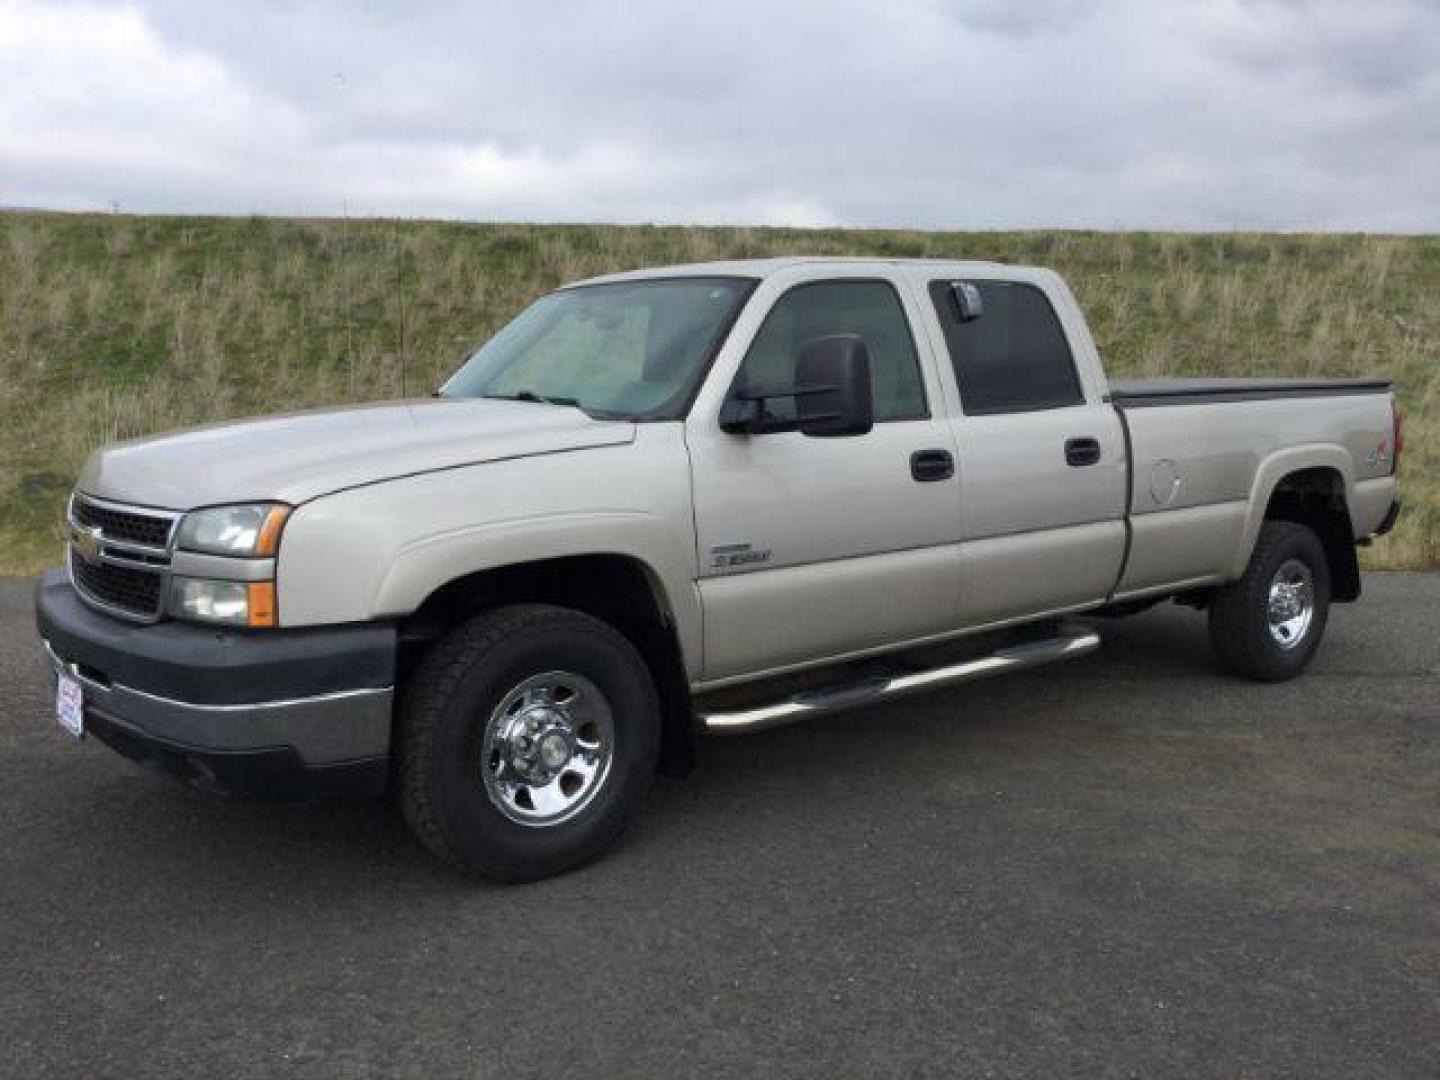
{"x":528,"y":735}
{"x":1267,"y":625}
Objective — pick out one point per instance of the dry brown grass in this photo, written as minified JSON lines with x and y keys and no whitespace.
{"x":114,"y":326}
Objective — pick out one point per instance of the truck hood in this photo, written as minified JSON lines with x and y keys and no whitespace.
{"x":298,"y":456}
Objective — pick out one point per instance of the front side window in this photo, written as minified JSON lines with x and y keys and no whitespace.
{"x":870,"y":309}
{"x":635,"y":350}
{"x":1014,"y":357}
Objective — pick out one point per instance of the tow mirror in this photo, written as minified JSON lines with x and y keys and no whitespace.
{"x":968,"y":301}
{"x":833,"y":376}
{"x":831,"y":390}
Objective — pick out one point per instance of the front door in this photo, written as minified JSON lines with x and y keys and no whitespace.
{"x":810,"y":548}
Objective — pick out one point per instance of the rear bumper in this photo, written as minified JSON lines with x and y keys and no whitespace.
{"x":285,"y":714}
{"x":1391,"y":516}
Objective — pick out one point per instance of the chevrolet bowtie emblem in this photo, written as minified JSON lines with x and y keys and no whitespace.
{"x":86,"y":542}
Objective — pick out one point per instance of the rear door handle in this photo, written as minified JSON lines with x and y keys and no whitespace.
{"x":1081,"y":452}
{"x":928,"y":465}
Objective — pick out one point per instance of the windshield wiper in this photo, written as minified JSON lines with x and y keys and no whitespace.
{"x":531,"y":395}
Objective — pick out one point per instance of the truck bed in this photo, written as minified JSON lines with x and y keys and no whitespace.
{"x":1196,"y":465}
{"x":1139,"y":393}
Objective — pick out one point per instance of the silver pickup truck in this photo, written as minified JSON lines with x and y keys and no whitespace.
{"x":684,"y":500}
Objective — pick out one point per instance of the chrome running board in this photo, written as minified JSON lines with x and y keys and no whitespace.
{"x":1069,"y":640}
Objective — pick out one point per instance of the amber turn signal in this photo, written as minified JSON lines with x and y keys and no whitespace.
{"x":261,"y":607}
{"x":269,"y":540}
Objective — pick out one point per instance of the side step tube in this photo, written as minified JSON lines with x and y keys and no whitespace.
{"x":1070,"y":640}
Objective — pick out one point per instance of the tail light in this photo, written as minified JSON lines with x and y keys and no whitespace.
{"x":1399,"y":440}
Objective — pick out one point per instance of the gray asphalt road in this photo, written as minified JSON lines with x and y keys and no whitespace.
{"x":1126,"y":866}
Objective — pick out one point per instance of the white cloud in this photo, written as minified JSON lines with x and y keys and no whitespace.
{"x":966,"y":113}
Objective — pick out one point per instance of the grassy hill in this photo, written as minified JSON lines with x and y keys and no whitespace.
{"x":115,"y":326}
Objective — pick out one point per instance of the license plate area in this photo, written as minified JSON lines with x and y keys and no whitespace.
{"x":70,"y":705}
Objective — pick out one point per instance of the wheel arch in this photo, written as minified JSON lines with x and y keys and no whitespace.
{"x":621,"y":590}
{"x":1309,"y":486}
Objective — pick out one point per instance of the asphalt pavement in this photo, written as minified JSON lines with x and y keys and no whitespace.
{"x":1128,"y":865}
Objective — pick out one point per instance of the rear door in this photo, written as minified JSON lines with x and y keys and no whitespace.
{"x":810,"y":548}
{"x":1041,"y":456}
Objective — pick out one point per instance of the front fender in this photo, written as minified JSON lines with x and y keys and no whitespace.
{"x":429,"y":563}
{"x":377,"y":552}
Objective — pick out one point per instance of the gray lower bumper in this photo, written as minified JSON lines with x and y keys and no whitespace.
{"x":303,"y":713}
{"x":322,"y":730}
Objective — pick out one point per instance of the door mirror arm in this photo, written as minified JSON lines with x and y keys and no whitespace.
{"x":743,"y":412}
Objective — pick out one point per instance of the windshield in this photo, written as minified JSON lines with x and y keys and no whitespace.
{"x":633,"y":349}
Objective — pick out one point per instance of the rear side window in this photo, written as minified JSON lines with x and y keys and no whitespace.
{"x":1015,"y":357}
{"x":870,"y":309}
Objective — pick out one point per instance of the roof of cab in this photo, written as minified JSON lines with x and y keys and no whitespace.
{"x":763,"y":268}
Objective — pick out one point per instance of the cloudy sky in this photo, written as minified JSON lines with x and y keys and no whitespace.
{"x":1293,"y":114}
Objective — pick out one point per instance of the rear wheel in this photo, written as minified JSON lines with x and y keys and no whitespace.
{"x":1268,"y":624}
{"x":528,"y":735}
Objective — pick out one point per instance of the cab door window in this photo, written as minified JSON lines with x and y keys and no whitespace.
{"x":871,"y":309}
{"x":1014,"y":357}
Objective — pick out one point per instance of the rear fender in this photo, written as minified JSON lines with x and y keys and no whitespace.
{"x":1268,"y":475}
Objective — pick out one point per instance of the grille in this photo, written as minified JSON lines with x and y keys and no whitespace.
{"x":124,"y":526}
{"x":133,"y":591}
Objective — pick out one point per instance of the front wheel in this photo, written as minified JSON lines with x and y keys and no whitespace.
{"x":1268,"y":624}
{"x":528,"y":734}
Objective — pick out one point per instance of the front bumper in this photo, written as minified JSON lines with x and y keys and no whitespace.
{"x":292,"y":714}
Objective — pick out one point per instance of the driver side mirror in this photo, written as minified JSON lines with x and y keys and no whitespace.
{"x":834,"y":374}
{"x":831,"y":389}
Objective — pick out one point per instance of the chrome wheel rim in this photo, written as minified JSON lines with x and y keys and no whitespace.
{"x":548,"y":748}
{"x":1291,"y":607}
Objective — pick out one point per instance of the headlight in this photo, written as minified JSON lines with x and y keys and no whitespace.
{"x":246,"y":531}
{"x":233,"y":603}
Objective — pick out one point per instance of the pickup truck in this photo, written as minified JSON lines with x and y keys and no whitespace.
{"x":678,"y":501}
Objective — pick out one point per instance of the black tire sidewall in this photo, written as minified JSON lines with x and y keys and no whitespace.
{"x":479,"y":834}
{"x":1299,"y":543}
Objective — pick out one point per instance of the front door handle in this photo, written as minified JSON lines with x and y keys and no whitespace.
{"x":1081,"y":452}
{"x":928,"y":465}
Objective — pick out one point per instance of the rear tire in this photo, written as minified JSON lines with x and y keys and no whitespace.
{"x":527,"y":737}
{"x":1267,"y":625}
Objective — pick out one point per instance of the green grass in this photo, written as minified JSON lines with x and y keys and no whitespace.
{"x":117,"y":326}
